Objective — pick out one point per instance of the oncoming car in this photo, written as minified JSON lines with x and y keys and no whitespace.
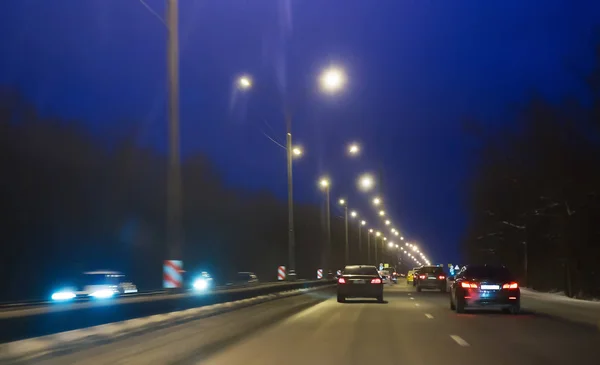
{"x":97,"y":284}
{"x":483,"y":286}
{"x":360,"y":281}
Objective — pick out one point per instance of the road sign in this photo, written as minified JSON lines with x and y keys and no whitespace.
{"x":386,"y":265}
{"x":450,"y":266}
{"x":380,"y":266}
{"x":456,"y":267}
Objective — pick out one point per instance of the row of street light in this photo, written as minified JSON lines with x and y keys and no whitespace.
{"x":332,"y":80}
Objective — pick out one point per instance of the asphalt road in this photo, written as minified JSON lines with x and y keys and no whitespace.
{"x":410,"y":328}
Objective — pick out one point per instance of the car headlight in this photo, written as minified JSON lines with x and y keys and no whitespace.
{"x":103,"y":293}
{"x":201,"y":284}
{"x":63,"y":295}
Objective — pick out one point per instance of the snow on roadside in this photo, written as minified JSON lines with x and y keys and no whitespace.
{"x":558,"y":297}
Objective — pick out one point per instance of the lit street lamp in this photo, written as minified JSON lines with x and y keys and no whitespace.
{"x":387,"y":222}
{"x":244,"y":83}
{"x":376,"y":201}
{"x":353,"y":149}
{"x":366,"y":182}
{"x":332,"y":80}
{"x":297,"y":151}
{"x":381,"y":213}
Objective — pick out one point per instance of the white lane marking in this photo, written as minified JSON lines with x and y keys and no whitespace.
{"x":409,"y":294}
{"x":412,"y":298}
{"x":428,"y":316}
{"x":417,"y":304}
{"x":459,"y":340}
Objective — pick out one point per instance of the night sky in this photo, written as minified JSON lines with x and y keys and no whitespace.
{"x":416,"y":70}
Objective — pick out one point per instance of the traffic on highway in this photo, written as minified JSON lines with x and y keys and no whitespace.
{"x":300,"y":182}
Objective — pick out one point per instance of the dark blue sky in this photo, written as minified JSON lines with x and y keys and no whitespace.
{"x":416,"y":69}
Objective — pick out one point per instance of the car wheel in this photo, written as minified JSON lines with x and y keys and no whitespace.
{"x":460,"y":305}
{"x":513,"y":309}
{"x":452,"y":306}
{"x":418,"y":288}
{"x":341,"y":299}
{"x":380,"y":299}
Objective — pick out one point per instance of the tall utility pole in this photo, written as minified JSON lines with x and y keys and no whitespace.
{"x":328,"y":247}
{"x":174,"y":188}
{"x":347,"y":253}
{"x":291,"y":242}
{"x":359,"y":239}
{"x":375,"y":250}
{"x":369,"y":247}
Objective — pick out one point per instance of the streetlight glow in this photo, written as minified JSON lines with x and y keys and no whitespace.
{"x":353,"y":149}
{"x":297,"y":151}
{"x":363,"y":222}
{"x":381,"y":213}
{"x":342,"y":202}
{"x":387,"y":222}
{"x":324,"y":182}
{"x":390,"y":245}
{"x":332,"y":79}
{"x":377,"y":233}
{"x":366,"y":182}
{"x":396,"y":246}
{"x":353,"y":214}
{"x":396,"y":233}
{"x":371,"y":230}
{"x":402,"y":238}
{"x":244,"y":82}
{"x":376,"y":201}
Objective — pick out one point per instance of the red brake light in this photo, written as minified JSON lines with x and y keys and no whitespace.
{"x":467,"y":285}
{"x":376,"y":281}
{"x":341,"y":281}
{"x":510,"y":286}
{"x":441,"y":277}
{"x":422,"y":276}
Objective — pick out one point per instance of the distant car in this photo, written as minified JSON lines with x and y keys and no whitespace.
{"x":484,"y":286}
{"x":385,"y":276}
{"x":360,"y":281}
{"x":410,"y":276}
{"x":415,"y":275}
{"x":431,"y":277}
{"x":246,"y":278}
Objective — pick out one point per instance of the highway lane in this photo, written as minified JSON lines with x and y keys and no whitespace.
{"x":410,"y":328}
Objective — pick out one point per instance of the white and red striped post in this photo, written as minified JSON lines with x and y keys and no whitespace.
{"x":319,"y":274}
{"x":281,"y":273}
{"x":172,"y":277}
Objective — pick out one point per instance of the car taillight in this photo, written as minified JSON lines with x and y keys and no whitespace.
{"x":467,"y":285}
{"x":422,"y":276}
{"x":441,"y":277}
{"x":376,"y":281}
{"x":510,"y":286}
{"x":395,"y":273}
{"x":341,"y":281}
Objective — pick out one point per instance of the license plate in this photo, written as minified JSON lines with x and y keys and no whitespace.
{"x":359,"y":281}
{"x":432,"y":278}
{"x":490,"y":287}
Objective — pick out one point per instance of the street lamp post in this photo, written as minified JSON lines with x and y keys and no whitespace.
{"x":325,"y":185}
{"x":346,"y":253}
{"x":360,"y":224}
{"x":291,"y":241}
{"x":369,"y":245}
{"x":174,"y":189}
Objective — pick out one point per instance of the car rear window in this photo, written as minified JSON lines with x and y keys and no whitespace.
{"x":360,"y":271}
{"x":431,"y":270}
{"x":490,"y":272}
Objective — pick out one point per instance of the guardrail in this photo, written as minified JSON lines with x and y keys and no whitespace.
{"x":44,"y":319}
